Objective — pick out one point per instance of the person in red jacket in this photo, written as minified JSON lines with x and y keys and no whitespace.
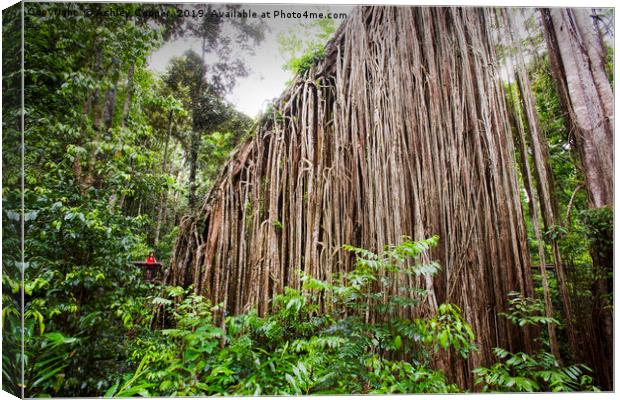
{"x":151,"y":258}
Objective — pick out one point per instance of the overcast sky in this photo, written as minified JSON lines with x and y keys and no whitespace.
{"x":266,"y":79}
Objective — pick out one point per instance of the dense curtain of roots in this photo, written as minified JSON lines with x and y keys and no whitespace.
{"x":402,"y":129}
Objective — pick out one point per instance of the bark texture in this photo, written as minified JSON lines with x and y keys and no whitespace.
{"x":401,"y":130}
{"x":576,"y":56}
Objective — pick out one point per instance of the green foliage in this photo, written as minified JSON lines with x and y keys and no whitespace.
{"x":299,"y":348}
{"x":522,"y":372}
{"x":609,"y":63}
{"x":171,"y":360}
{"x":526,"y":311}
{"x":301,"y":64}
{"x":302,"y":50}
{"x":448,"y":330}
{"x":599,"y":223}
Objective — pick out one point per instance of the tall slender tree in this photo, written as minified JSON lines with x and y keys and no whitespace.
{"x":207,"y":108}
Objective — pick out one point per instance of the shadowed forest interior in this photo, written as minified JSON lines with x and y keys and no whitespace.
{"x":426,"y":208}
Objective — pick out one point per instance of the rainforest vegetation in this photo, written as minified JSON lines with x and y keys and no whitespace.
{"x":427,"y":208}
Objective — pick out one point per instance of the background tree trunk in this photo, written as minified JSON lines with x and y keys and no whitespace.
{"x":576,"y":58}
{"x":545,"y":192}
{"x":164,"y":195}
{"x":193,"y":166}
{"x":579,"y":72}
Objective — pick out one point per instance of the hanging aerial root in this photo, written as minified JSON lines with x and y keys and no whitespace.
{"x":401,"y":130}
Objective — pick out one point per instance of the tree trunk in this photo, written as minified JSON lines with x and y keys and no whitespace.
{"x":129,"y":95}
{"x":580,"y":75}
{"x":123,"y":121}
{"x":164,"y":194}
{"x":193,"y":166}
{"x":576,"y":58}
{"x":108,"y":111}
